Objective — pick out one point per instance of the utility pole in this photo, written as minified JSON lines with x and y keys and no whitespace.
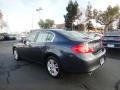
{"x":38,"y":10}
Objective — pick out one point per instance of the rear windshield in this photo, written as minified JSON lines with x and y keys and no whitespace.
{"x":74,"y":34}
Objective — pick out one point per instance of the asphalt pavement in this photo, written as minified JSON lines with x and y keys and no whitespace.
{"x":25,"y":75}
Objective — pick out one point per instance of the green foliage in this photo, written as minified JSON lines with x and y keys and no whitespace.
{"x":72,"y":10}
{"x":108,"y":16}
{"x":46,"y":24}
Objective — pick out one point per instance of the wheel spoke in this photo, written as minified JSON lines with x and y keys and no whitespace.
{"x":56,"y":66}
{"x":55,"y":71}
{"x":52,"y":62}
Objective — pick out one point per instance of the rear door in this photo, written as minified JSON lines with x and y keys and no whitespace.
{"x":40,"y":46}
{"x":41,"y":42}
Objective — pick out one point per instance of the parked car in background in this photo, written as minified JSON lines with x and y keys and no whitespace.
{"x":61,"y":51}
{"x":6,"y":36}
{"x":12,"y":36}
{"x":111,"y":39}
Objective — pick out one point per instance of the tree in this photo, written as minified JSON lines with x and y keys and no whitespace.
{"x":78,"y":15}
{"x":46,"y":24}
{"x":108,"y":17}
{"x":88,"y":12}
{"x":89,"y":16}
{"x":118,"y":26}
{"x":80,"y":27}
{"x":89,"y":26}
{"x":95,"y":13}
{"x":2,"y":22}
{"x":72,"y":14}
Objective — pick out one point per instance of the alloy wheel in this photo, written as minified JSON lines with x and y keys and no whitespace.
{"x":53,"y":67}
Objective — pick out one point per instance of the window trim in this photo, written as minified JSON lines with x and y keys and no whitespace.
{"x":38,"y":37}
{"x":52,"y":34}
{"x":47,"y":32}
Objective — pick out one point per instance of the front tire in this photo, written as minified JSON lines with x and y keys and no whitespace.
{"x":54,"y":67}
{"x":15,"y":54}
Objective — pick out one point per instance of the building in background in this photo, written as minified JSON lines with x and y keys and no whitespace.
{"x":59,"y":26}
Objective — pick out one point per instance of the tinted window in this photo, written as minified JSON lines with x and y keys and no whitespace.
{"x":42,"y":37}
{"x":32,"y":36}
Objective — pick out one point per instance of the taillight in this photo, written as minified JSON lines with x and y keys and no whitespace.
{"x":82,"y":48}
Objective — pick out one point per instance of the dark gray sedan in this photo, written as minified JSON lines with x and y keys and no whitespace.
{"x":61,"y":51}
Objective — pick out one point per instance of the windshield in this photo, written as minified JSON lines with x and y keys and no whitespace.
{"x":74,"y":34}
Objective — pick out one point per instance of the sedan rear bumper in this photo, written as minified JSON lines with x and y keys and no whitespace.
{"x":77,"y":65}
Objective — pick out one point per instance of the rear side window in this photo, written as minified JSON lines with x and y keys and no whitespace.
{"x":50,"y":37}
{"x":42,"y":37}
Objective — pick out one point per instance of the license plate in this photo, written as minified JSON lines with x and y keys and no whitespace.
{"x":102,"y":60}
{"x":110,"y":45}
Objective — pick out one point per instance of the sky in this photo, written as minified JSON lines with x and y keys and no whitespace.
{"x":21,"y":15}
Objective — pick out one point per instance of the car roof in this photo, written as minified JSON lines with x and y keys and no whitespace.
{"x":49,"y":30}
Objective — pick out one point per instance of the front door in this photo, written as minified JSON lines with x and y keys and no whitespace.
{"x":28,"y":46}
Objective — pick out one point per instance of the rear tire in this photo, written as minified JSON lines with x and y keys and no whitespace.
{"x":54,"y":67}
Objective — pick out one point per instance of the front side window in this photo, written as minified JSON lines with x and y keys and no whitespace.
{"x":32,"y":36}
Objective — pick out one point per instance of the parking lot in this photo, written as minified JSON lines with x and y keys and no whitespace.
{"x":24,"y":75}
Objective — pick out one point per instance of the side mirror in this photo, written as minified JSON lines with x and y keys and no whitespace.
{"x":26,"y":42}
